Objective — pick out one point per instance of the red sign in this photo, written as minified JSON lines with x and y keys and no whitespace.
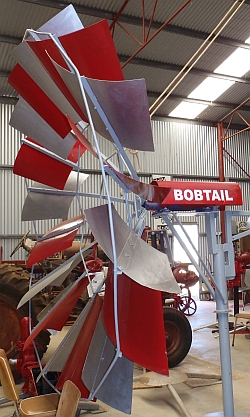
{"x":200,"y":194}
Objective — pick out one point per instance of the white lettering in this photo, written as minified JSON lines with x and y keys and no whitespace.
{"x":215,"y":196}
{"x":207,"y":193}
{"x":188,"y":195}
{"x":198,"y":195}
{"x":178,"y":194}
{"x":227,"y":196}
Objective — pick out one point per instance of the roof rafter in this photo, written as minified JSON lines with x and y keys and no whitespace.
{"x":147,"y":63}
{"x":136,"y":21}
{"x":230,"y":106}
{"x":173,"y":67}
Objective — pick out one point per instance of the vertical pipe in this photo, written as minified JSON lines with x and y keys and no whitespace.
{"x":221,"y":176}
{"x":222,"y":314}
{"x":222,"y":212}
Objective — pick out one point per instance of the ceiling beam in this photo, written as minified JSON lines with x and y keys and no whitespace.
{"x":146,"y":63}
{"x":8,"y":100}
{"x":177,"y":68}
{"x":222,"y":104}
{"x":137,"y":21}
{"x":10,"y":39}
{"x":155,"y":94}
{"x":4,"y":74}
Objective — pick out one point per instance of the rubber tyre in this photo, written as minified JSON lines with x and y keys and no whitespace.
{"x":178,"y":335}
{"x":14,"y":283}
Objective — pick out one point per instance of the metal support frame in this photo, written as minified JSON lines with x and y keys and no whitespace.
{"x":223,"y":256}
{"x":145,"y":36}
{"x":223,"y":136}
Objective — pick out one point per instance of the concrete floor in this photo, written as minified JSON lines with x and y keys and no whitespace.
{"x":199,"y":395}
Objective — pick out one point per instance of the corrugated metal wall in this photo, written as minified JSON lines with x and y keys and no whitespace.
{"x":183,"y":150}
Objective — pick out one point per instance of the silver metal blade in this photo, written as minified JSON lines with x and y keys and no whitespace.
{"x":116,"y":389}
{"x":140,"y":261}
{"x":124,"y":103}
{"x":31,"y":64}
{"x":25,"y":119}
{"x":58,"y":360}
{"x":41,"y":205}
{"x":56,"y":277}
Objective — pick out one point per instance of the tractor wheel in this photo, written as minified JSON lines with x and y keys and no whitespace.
{"x":178,"y":335}
{"x":14,"y":283}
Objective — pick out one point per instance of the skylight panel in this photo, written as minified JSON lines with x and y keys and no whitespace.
{"x":210,"y":89}
{"x":237,"y":64}
{"x":188,"y":110}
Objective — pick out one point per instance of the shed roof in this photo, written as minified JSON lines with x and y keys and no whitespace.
{"x":161,"y":59}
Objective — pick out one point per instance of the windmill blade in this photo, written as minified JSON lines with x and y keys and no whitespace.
{"x":140,"y":322}
{"x":35,"y":165}
{"x":57,"y":239}
{"x":25,"y":119}
{"x":128,"y":117}
{"x":116,"y":388}
{"x":56,"y":277}
{"x":76,"y":359}
{"x":60,"y":356}
{"x":56,"y":313}
{"x":140,"y":261}
{"x":39,"y":101}
{"x":48,"y":203}
{"x":64,"y":22}
{"x":85,"y":49}
{"x":24,"y":56}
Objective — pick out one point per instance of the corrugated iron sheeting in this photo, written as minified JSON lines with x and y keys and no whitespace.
{"x":7,"y":61}
{"x":239,"y":148}
{"x":6,"y":90}
{"x":27,"y":15}
{"x":9,"y":137}
{"x":183,"y":150}
{"x":204,"y":15}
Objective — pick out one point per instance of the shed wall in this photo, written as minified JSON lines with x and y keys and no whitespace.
{"x":184,"y":151}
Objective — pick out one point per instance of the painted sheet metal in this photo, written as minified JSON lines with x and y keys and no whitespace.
{"x":86,"y":51}
{"x":39,"y":101}
{"x":58,"y":313}
{"x":74,"y":365}
{"x":135,"y":331}
{"x":25,"y":119}
{"x":190,"y":195}
{"x":24,"y":56}
{"x":91,"y":49}
{"x":56,"y":277}
{"x":59,"y":358}
{"x":56,"y":240}
{"x":37,"y":166}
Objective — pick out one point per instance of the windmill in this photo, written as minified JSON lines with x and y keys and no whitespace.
{"x":69,"y":79}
